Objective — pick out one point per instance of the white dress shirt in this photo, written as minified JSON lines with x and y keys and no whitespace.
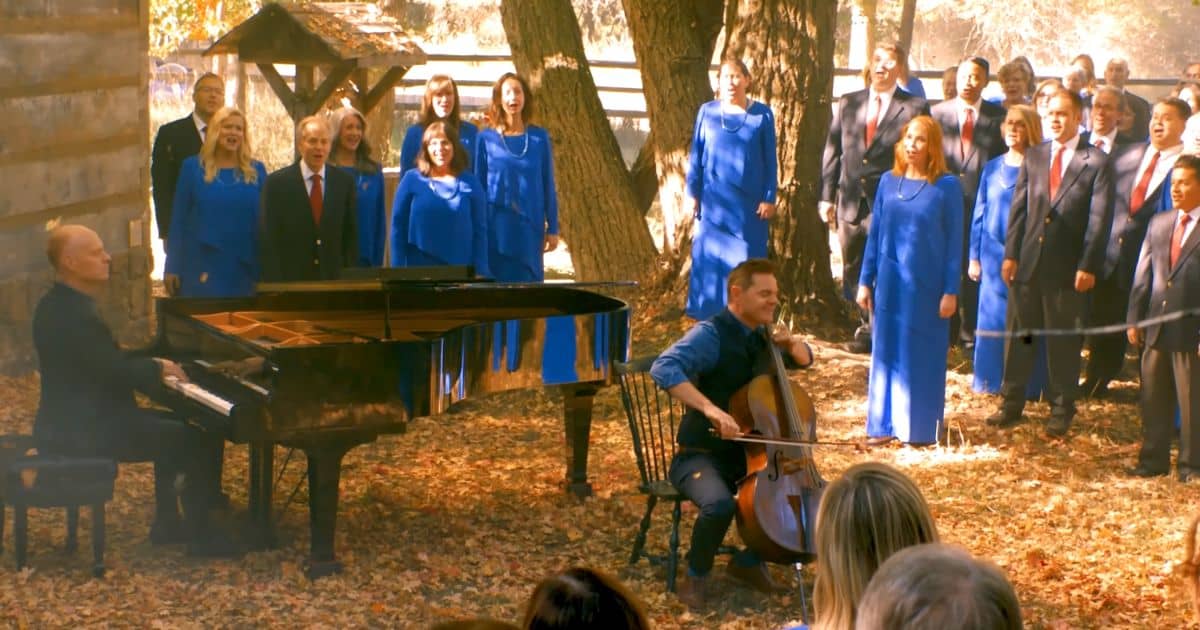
{"x":308,"y":178}
{"x":885,"y":100}
{"x":1162,"y":170}
{"x":201,"y":126}
{"x":963,"y":106}
{"x":1110,"y":139}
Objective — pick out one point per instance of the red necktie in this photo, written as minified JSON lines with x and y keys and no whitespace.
{"x":968,"y":131}
{"x":1177,"y":237}
{"x":1100,"y":144}
{"x":1139,"y":192}
{"x":316,"y":200}
{"x":1056,"y":172}
{"x":872,"y":123}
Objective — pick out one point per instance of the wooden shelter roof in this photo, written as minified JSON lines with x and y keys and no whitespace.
{"x":319,"y":33}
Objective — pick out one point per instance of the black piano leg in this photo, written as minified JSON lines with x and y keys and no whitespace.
{"x":324,"y":475}
{"x":577,"y":414}
{"x":262,"y":480}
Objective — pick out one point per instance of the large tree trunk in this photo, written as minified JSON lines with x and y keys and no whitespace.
{"x":788,"y":45}
{"x":674,"y":44}
{"x":601,"y":222}
{"x":908,"y":15}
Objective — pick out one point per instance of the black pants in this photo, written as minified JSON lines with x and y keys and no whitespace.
{"x":1170,"y":381}
{"x":1106,"y":352}
{"x":708,"y":481}
{"x":853,"y":239}
{"x":1031,"y":305}
{"x":175,"y":447}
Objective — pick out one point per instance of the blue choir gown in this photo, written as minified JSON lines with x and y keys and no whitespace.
{"x":732,"y":169}
{"x":913,"y":258}
{"x":438,"y":223}
{"x":371,"y":226}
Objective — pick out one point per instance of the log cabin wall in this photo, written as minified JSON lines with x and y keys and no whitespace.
{"x":74,"y":148}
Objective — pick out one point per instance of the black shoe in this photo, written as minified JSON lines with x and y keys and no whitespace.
{"x":168,"y":532}
{"x":1141,"y":470}
{"x":1187,"y":475}
{"x":1058,"y":426}
{"x":1003,"y":419}
{"x":858,"y":346}
{"x":968,"y":347}
{"x":1097,"y":389}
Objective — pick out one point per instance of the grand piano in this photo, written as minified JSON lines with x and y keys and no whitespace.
{"x":326,"y":366}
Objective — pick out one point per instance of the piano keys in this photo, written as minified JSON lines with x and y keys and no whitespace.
{"x":327,"y":366}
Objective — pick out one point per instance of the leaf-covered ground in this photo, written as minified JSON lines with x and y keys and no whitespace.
{"x":461,"y":516}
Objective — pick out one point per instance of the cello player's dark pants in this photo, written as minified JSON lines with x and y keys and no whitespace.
{"x":708,"y":480}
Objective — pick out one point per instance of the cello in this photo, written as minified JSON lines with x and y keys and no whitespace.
{"x":777,"y":500}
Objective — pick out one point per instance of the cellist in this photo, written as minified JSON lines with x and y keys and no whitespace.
{"x":703,"y":370}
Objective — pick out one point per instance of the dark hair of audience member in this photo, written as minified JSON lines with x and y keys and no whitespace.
{"x":937,"y":587}
{"x":869,"y":513}
{"x":583,"y":599}
{"x":1189,"y":569}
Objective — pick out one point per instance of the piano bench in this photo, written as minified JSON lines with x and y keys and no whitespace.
{"x":51,"y":481}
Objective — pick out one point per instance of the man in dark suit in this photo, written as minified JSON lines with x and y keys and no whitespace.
{"x":1141,"y":177}
{"x":970,"y":137}
{"x":1057,"y":233}
{"x":308,"y":213}
{"x":1116,"y":74}
{"x":1167,"y":280}
{"x":860,"y":148}
{"x":179,"y":140}
{"x":87,"y":405}
{"x":1105,"y":133}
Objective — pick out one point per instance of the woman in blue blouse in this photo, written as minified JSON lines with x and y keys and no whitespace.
{"x":514,"y":163}
{"x":440,"y":103}
{"x":212,"y":247}
{"x":352,"y":154}
{"x":909,"y":281}
{"x":439,"y":216}
{"x":730,"y":187}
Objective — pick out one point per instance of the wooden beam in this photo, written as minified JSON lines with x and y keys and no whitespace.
{"x":278,"y":85}
{"x":392,"y":59}
{"x":382,"y":88}
{"x":336,"y":76}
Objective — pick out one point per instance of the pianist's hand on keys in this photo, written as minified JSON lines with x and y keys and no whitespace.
{"x":171,"y":369}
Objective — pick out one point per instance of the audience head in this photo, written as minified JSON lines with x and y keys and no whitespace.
{"x":441,"y":153}
{"x":1041,"y":96}
{"x":1063,"y":115}
{"x":1189,"y":92}
{"x":208,"y":95}
{"x":1116,"y":72}
{"x":1107,"y":105}
{"x":1014,"y":80}
{"x":350,"y":136}
{"x":1022,"y":128}
{"x":1075,"y":79}
{"x":313,"y":139}
{"x":733,"y":80}
{"x":512,"y":102}
{"x":754,"y":291}
{"x":950,"y":83}
{"x":885,"y":66}
{"x":440,"y":101}
{"x":872,"y":511}
{"x":920,"y":146}
{"x":79,"y":258}
{"x":1192,"y":71}
{"x":972,"y":78}
{"x":1084,"y":62}
{"x":935,"y":587}
{"x":1168,"y":122}
{"x":1185,"y":183}
{"x":228,"y":136}
{"x":583,"y":599}
{"x":1024,"y":61}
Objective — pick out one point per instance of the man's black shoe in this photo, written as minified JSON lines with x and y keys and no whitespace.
{"x":1094,"y":389}
{"x":1187,"y":475}
{"x":1142,"y":471}
{"x":1058,"y":426}
{"x":1002,"y":419}
{"x":858,"y":346}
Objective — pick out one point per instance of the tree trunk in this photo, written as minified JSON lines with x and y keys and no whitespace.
{"x":600,"y":219}
{"x":788,"y":45}
{"x":907,"y":15}
{"x":674,"y":44}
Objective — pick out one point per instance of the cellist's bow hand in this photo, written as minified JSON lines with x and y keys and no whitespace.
{"x":724,"y":423}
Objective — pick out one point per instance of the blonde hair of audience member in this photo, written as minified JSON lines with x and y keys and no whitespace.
{"x":936,"y":165}
{"x":208,"y":151}
{"x":936,"y":587}
{"x":1033,"y":123}
{"x":583,"y":599}
{"x":868,"y":514}
{"x":1084,"y":62}
{"x":1014,"y":80}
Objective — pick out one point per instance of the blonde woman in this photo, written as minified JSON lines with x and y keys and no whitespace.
{"x":351,"y":153}
{"x":870,"y":513}
{"x":212,"y":246}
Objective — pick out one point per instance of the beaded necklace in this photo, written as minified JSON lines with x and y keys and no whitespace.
{"x":745,"y":114}
{"x":524,"y":148}
{"x":914,"y":195}
{"x":453,"y":193}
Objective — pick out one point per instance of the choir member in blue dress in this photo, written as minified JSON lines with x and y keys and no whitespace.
{"x":352,"y":154}
{"x":909,"y":281}
{"x":439,"y":214}
{"x":907,"y":81}
{"x":212,"y":244}
{"x":989,"y":225}
{"x":514,"y":163}
{"x":730,"y":187}
{"x":440,"y":103}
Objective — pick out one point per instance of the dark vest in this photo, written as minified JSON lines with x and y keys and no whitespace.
{"x":739,"y":356}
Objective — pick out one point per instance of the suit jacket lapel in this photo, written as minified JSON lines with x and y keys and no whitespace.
{"x":1078,"y":162}
{"x":1185,"y":250}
